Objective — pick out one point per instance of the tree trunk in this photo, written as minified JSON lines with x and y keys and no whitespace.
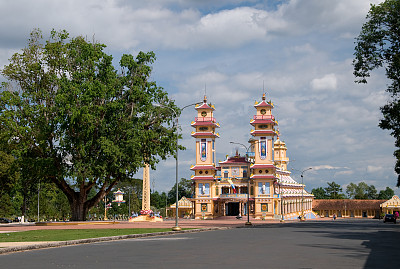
{"x":78,"y":201}
{"x":24,"y":205}
{"x":80,"y":204}
{"x":79,"y":207}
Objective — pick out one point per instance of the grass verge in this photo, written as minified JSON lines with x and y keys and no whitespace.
{"x":71,"y":234}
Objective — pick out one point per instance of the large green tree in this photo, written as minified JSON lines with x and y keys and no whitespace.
{"x":8,"y":173}
{"x":378,"y":45}
{"x":319,"y":193}
{"x":158,"y":200}
{"x":333,"y":191}
{"x":81,"y":122}
{"x":184,"y":189}
{"x":9,"y":176}
{"x":361,"y":191}
{"x":386,"y":194}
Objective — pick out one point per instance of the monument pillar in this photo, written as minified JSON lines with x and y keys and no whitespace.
{"x":146,"y":214}
{"x":146,"y":188}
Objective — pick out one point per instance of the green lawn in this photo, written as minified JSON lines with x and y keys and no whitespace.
{"x":71,"y":234}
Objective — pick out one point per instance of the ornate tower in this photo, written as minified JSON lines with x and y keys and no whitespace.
{"x":281,"y":161}
{"x":263,"y":169}
{"x":204,"y":169}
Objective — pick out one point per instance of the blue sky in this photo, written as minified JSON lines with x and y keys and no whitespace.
{"x":300,"y":50}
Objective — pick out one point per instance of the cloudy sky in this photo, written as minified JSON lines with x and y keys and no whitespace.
{"x":298,"y":51}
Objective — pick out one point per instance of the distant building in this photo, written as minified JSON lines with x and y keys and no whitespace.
{"x":221,"y":189}
{"x":349,"y":208}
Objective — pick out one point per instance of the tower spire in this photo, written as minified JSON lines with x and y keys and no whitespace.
{"x":263,"y":88}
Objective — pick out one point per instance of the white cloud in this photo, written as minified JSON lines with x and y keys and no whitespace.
{"x":343,"y":173}
{"x":373,"y":168}
{"x":125,"y":25}
{"x":304,"y":48}
{"x":230,"y":28}
{"x":327,"y":166}
{"x":5,"y":55}
{"x":324,"y":16}
{"x":376,"y":98}
{"x":327,"y":82}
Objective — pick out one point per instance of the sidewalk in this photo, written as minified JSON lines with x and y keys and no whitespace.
{"x":169,"y":223}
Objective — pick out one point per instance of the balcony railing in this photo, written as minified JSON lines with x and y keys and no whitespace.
{"x":212,"y":119}
{"x":233,"y":195}
{"x":264,"y":117}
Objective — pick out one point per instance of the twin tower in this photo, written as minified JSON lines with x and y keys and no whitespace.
{"x":222,"y":189}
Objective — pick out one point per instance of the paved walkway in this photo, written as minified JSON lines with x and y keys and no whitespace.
{"x":183,"y":223}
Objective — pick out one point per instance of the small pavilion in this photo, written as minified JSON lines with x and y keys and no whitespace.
{"x":185,"y":208}
{"x":391,"y":206}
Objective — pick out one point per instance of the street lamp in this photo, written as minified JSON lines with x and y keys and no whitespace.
{"x":248,"y":182}
{"x":176,"y":227}
{"x":38,"y":203}
{"x":302,"y":194}
{"x":105,"y":207}
{"x":129,"y":203}
{"x":166,"y":203}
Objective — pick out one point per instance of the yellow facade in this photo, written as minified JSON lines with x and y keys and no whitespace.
{"x":347,"y":208}
{"x":223,"y":189}
{"x":391,"y":206}
{"x":185,"y":208}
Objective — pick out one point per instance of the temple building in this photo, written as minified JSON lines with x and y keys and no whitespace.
{"x":259,"y":181}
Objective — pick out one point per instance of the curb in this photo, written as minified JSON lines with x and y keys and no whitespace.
{"x":103,"y":239}
{"x":61,"y":223}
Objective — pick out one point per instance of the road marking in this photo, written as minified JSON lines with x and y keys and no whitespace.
{"x":160,"y":239}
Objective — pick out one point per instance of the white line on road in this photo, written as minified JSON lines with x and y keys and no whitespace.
{"x":160,"y":238}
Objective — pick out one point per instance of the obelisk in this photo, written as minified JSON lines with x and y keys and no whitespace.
{"x":146,"y":188}
{"x":146,"y":214}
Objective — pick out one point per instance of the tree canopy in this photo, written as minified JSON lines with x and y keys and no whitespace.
{"x":184,"y":189}
{"x":377,"y":46}
{"x":385,"y":194}
{"x":334,"y":191}
{"x":78,"y":121}
{"x":361,"y":191}
{"x":319,"y":193}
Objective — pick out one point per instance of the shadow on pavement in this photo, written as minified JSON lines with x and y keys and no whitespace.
{"x":381,"y":241}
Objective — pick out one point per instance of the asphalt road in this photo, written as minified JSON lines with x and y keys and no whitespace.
{"x":311,"y":244}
